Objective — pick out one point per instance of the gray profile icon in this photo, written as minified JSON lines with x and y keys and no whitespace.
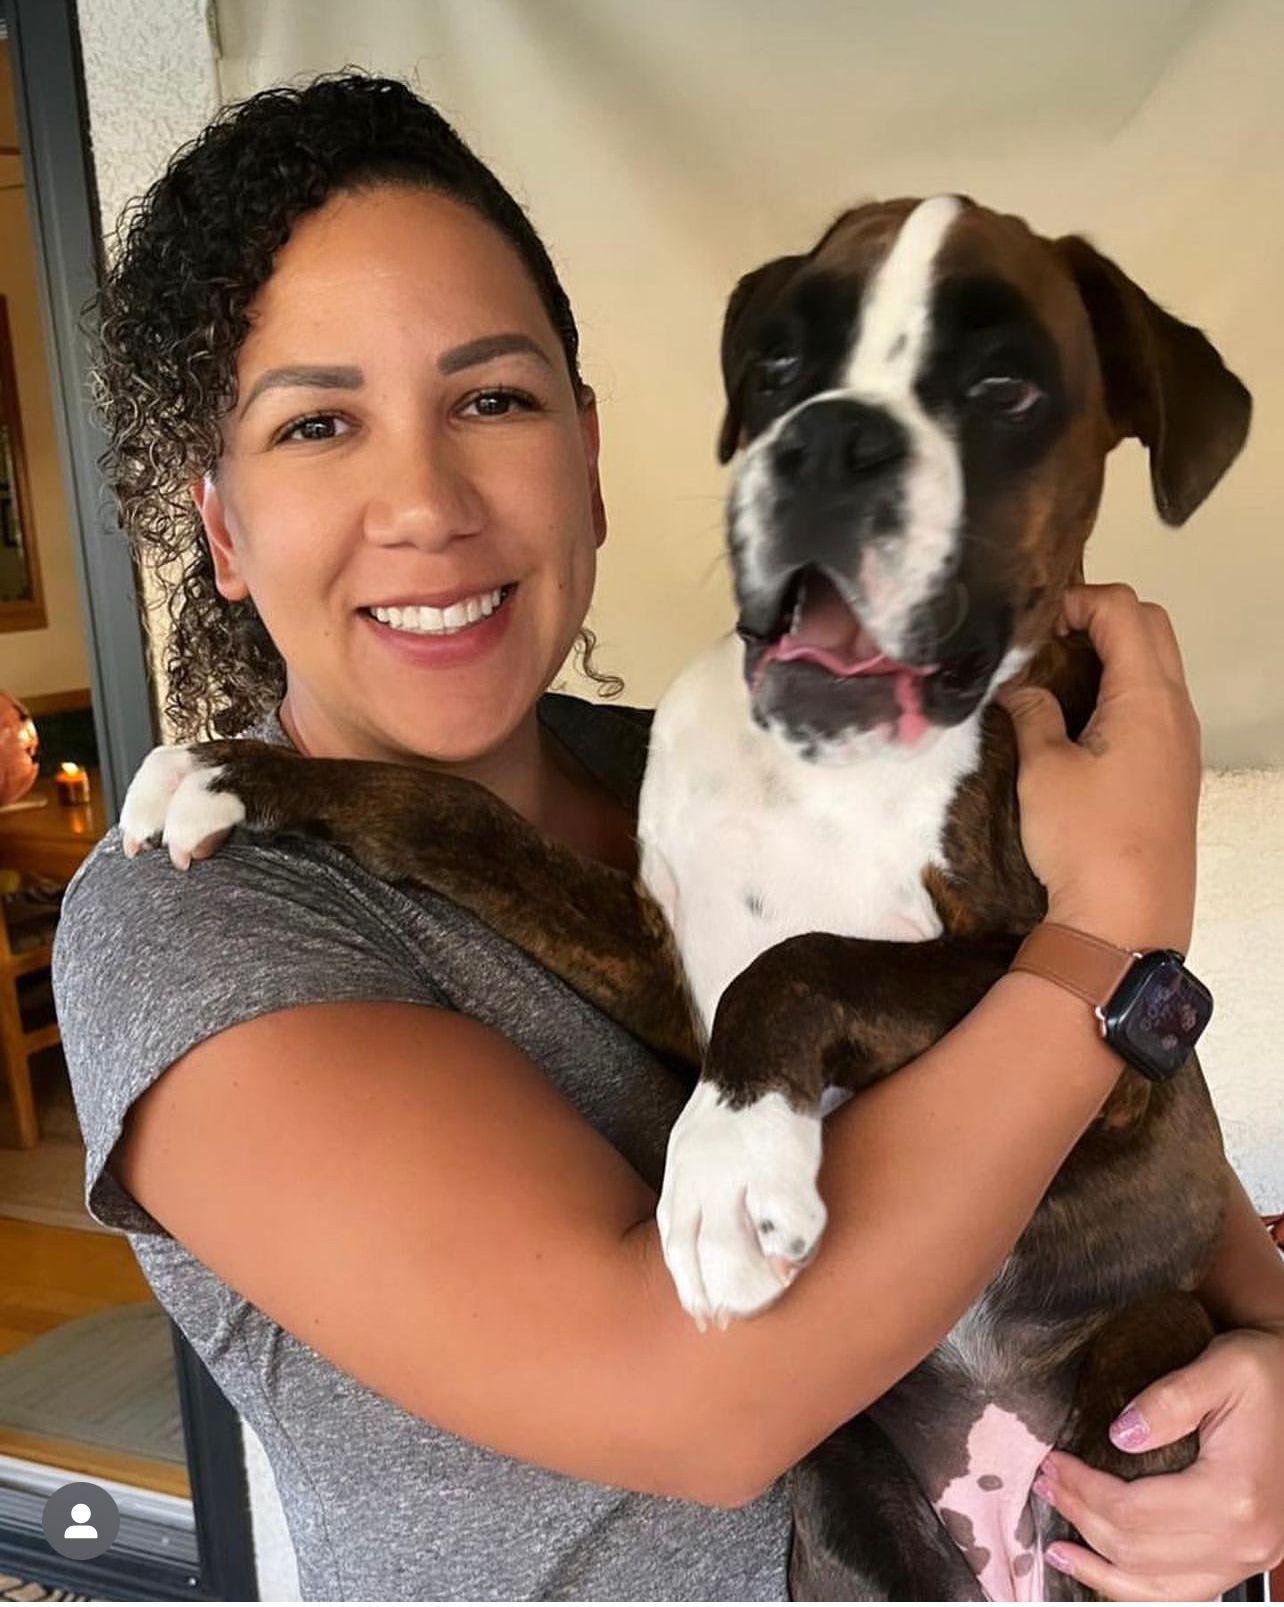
{"x":80,"y":1520}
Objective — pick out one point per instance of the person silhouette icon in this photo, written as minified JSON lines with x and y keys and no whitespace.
{"x":81,"y":1520}
{"x":80,"y":1528}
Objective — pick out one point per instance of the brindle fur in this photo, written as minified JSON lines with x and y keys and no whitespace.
{"x":589,"y":924}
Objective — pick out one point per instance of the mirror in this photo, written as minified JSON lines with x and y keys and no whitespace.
{"x":21,"y":604}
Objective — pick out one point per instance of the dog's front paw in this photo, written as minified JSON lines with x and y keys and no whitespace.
{"x":172,"y":800}
{"x":739,"y":1212}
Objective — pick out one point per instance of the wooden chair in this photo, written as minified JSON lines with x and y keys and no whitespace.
{"x":17,"y":1044}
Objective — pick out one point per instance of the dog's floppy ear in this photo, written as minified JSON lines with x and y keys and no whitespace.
{"x":748,"y":301}
{"x":1165,"y":383}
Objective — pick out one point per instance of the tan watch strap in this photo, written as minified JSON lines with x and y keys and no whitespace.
{"x":1086,"y":966}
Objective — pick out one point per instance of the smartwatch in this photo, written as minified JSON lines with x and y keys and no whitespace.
{"x":1149,"y":1007}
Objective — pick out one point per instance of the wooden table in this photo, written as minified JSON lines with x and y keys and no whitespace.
{"x":52,"y":840}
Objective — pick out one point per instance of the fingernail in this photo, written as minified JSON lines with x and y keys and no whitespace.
{"x":1043,"y":1489}
{"x":1129,"y":1430}
{"x":1059,"y":1560}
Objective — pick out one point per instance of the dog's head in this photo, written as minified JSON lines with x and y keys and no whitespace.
{"x":925,"y":402}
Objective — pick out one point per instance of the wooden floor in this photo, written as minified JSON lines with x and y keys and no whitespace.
{"x":50,"y":1276}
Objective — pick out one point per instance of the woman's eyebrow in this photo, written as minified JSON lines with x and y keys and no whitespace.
{"x":482,"y":350}
{"x":319,"y":377}
{"x":348,"y":378}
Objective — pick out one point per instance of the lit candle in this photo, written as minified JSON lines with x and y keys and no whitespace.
{"x":72,"y":783}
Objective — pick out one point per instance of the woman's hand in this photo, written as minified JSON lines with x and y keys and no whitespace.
{"x":1108,"y":822}
{"x":1185,"y":1536}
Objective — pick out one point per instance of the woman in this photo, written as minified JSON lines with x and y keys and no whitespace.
{"x":394,"y":1181}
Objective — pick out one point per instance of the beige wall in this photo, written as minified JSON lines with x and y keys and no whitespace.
{"x":151,"y":86}
{"x":666,"y":147}
{"x":52,"y":660}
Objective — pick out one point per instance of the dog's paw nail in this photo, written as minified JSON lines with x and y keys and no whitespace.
{"x":786,"y":1271}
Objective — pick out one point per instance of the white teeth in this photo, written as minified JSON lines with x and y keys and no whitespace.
{"x":798,"y":610}
{"x":425,"y":621}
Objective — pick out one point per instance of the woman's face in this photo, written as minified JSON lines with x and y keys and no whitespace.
{"x":406,"y":444}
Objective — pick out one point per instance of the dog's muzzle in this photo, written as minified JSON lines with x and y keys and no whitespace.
{"x":828,"y":487}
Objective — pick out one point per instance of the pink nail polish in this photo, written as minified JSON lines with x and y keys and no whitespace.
{"x":1058,"y":1559}
{"x":1043,"y":1489}
{"x":1129,"y":1431}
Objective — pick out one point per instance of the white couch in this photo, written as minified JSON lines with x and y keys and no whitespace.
{"x":1238,"y":949}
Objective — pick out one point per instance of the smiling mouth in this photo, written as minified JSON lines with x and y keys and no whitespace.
{"x":423,"y":620}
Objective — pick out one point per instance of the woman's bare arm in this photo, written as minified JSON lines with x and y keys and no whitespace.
{"x":400,"y":1188}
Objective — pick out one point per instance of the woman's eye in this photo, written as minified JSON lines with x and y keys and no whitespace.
{"x":499,"y":404}
{"x":316,"y":427}
{"x":1012,"y":399}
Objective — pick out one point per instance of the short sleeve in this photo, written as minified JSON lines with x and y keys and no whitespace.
{"x":150,"y":961}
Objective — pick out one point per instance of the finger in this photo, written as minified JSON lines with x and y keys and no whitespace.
{"x":1172,"y":1406}
{"x":1176,"y":1503}
{"x":1164,"y":639}
{"x":1120,"y":1584}
{"x":1036,"y":718}
{"x":1113,"y":619}
{"x":1159,"y":1532}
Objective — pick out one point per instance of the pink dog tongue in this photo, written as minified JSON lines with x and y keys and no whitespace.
{"x":829,"y":632}
{"x":909,"y":699}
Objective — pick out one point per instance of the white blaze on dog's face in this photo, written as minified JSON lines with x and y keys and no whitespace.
{"x":889,"y":356}
{"x":925,"y":419}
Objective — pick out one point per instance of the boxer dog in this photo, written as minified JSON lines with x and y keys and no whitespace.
{"x":832,"y":872}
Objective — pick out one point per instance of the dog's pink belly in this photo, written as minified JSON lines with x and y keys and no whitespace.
{"x":988,"y":1512}
{"x":983,"y":1497}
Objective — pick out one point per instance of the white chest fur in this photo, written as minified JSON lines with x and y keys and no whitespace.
{"x":744,"y":843}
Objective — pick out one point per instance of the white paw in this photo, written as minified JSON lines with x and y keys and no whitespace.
{"x":170,"y":799}
{"x":739,"y":1212}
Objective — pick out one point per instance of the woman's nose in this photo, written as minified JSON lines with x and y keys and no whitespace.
{"x":421,"y":493}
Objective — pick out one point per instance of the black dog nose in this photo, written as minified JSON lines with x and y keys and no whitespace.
{"x":833,"y":446}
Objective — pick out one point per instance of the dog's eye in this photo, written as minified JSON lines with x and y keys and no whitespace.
{"x":1012,"y":399}
{"x":776,"y":369}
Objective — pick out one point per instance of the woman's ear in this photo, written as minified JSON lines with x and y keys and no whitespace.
{"x":227,"y":568}
{"x":591,"y":426}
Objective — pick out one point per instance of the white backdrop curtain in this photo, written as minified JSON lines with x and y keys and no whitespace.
{"x":666,"y":146}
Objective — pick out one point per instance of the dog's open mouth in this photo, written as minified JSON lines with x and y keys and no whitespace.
{"x":819,"y":626}
{"x":818,"y":631}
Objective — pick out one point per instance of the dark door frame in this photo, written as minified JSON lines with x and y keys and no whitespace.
{"x":53,"y":122}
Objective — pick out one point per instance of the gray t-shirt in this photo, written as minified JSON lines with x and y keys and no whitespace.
{"x":381,"y":1505}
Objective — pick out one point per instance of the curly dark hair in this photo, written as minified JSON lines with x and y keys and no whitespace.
{"x":189,"y":258}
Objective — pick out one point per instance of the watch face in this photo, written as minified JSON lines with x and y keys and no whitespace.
{"x":1158,"y":1013}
